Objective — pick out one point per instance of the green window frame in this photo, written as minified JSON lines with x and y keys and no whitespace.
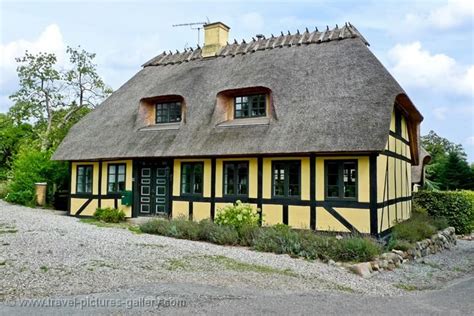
{"x":341,"y":179}
{"x":84,"y":179}
{"x":286,"y":179}
{"x":250,"y":106}
{"x":192,"y":178}
{"x":236,"y":178}
{"x":116,"y":177}
{"x":168,"y":112}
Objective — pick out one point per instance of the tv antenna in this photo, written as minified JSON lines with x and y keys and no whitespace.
{"x":193,"y":26}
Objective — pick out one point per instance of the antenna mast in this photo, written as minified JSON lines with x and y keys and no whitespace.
{"x":193,"y":27}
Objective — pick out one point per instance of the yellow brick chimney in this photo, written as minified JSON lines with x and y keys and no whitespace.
{"x":215,"y":37}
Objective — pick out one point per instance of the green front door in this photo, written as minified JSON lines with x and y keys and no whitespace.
{"x":154,"y":188}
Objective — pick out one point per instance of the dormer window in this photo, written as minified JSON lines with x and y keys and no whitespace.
{"x":169,"y":112}
{"x":250,"y":106}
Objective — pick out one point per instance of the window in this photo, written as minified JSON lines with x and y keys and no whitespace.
{"x":168,"y":112}
{"x":250,"y":106}
{"x":398,"y":122}
{"x":116,"y":178}
{"x":84,"y":179}
{"x":286,"y":178}
{"x":341,"y":179}
{"x":236,"y":175}
{"x":192,"y":178}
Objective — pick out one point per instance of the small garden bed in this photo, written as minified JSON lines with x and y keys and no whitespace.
{"x":238,"y":225}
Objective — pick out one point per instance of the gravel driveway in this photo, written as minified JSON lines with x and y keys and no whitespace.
{"x":43,"y":254}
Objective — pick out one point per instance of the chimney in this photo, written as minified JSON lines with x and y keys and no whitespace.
{"x":215,"y":37}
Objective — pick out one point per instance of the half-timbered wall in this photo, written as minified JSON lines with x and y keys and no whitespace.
{"x":394,"y":177}
{"x":85,"y":204}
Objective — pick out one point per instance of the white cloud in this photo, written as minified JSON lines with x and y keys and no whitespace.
{"x":50,"y":40}
{"x":450,"y":15}
{"x":417,"y":67}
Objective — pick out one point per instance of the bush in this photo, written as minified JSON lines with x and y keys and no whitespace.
{"x":109,"y":215}
{"x":356,"y":249}
{"x":31,"y":166}
{"x":183,"y":228}
{"x":247,"y":234}
{"x":278,"y":239}
{"x":417,"y":228}
{"x":456,"y":207}
{"x":398,"y":244}
{"x":156,"y":227}
{"x":237,"y":216}
{"x":218,"y":234}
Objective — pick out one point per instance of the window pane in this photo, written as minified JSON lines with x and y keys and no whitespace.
{"x":186,"y":178}
{"x":229,"y":179}
{"x":333,"y":191}
{"x":121,"y":169}
{"x":279,"y":179}
{"x":168,"y":112}
{"x":349,"y":179}
{"x":242,"y":178}
{"x":111,"y":169}
{"x":197,"y":178}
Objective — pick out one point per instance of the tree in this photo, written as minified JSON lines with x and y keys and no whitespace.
{"x":54,"y":98}
{"x":449,"y":169}
{"x":39,"y":94}
{"x":12,"y":134}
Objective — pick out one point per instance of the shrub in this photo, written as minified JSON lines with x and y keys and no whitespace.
{"x":156,"y":227}
{"x":237,"y":216}
{"x":109,"y":215}
{"x":457,"y":207}
{"x":398,"y":244}
{"x":278,"y":239}
{"x":183,"y":228}
{"x":247,"y":234}
{"x":31,"y":166}
{"x":355,"y":249}
{"x":218,"y":234}
{"x":416,"y":228}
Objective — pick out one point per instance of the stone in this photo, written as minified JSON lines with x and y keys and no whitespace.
{"x":3,"y":261}
{"x":383,"y":264}
{"x":363,"y":269}
{"x":331,"y":262}
{"x":375,"y":266}
{"x":339,"y":237}
{"x":398,"y":252}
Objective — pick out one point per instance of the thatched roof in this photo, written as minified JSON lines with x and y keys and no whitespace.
{"x":417,"y":172}
{"x":330,"y":94}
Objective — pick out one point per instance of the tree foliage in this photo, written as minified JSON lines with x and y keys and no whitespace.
{"x":48,"y":102}
{"x":449,"y":169}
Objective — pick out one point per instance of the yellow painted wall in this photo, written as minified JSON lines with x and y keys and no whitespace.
{"x":359,"y":218}
{"x":363,"y":178}
{"x":267,"y":176}
{"x":253,"y":175}
{"x":325,"y":221}
{"x":180,"y":209}
{"x":272,"y":214}
{"x":206,"y":178}
{"x":201,"y":210}
{"x":299,"y":216}
{"x":76,"y":204}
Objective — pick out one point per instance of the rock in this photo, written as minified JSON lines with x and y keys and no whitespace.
{"x":375,"y":266}
{"x":3,"y":261}
{"x":398,"y":252}
{"x":331,"y":262}
{"x":339,"y":237}
{"x":383,"y":264}
{"x":363,"y":269}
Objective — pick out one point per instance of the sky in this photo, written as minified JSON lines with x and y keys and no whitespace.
{"x":428,"y":46}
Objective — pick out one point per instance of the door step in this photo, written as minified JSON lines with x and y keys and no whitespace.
{"x":143,"y":219}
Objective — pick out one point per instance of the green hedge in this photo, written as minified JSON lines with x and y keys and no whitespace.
{"x":456,"y":206}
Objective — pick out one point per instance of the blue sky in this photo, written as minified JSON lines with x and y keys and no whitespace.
{"x":428,"y":46}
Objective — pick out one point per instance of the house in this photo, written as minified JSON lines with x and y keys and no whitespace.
{"x":309,"y":127}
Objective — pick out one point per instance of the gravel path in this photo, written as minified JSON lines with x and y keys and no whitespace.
{"x":43,"y":254}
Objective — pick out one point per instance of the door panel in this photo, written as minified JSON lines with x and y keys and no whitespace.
{"x":154,"y":188}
